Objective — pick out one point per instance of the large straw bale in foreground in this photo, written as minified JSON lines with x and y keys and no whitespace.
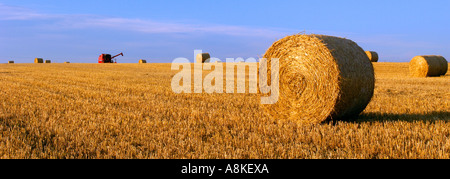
{"x":373,"y":56}
{"x":428,"y":66}
{"x":202,"y":57}
{"x":38,"y":60}
{"x":321,"y":78}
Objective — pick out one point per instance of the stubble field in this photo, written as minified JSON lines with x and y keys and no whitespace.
{"x":130,"y":111}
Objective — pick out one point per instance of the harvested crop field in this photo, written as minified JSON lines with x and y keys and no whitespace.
{"x":129,"y":111}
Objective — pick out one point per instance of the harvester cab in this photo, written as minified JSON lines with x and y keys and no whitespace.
{"x":106,"y":58}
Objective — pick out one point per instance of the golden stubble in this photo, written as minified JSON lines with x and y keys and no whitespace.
{"x":129,"y":111}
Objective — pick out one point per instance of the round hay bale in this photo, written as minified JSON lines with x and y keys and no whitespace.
{"x":66,"y":62}
{"x":142,"y":61}
{"x":38,"y":60}
{"x":202,"y":57}
{"x":373,"y":56}
{"x":322,"y":78}
{"x":48,"y":61}
{"x":428,"y":66}
{"x":10,"y":62}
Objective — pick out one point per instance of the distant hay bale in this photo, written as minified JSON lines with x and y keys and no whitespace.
{"x":66,"y":62}
{"x":38,"y":60}
{"x":10,"y":62}
{"x":322,"y":78}
{"x":142,"y":61}
{"x":203,"y":57}
{"x":373,"y":56}
{"x":428,"y":66}
{"x":48,"y":61}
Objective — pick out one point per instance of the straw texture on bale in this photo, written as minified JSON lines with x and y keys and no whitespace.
{"x":322,"y":78}
{"x":142,"y":61}
{"x":10,"y":62}
{"x":373,"y":56}
{"x":202,"y":57}
{"x":38,"y":60}
{"x":428,"y":66}
{"x":48,"y":61}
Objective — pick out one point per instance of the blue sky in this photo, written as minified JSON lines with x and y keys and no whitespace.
{"x":162,"y":30}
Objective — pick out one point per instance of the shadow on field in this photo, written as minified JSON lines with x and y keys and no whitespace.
{"x":384,"y":117}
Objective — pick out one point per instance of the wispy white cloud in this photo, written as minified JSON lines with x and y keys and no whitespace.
{"x":19,"y":13}
{"x":89,"y":21}
{"x":151,"y":26}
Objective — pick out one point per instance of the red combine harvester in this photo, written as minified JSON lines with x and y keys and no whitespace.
{"x":106,"y":58}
